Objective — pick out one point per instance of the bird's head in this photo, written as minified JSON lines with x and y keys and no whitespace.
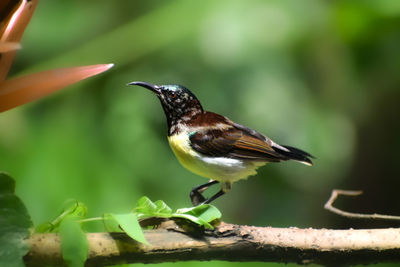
{"x":178,"y":102}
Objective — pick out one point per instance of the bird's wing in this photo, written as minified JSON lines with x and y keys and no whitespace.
{"x":283,"y":152}
{"x":235,"y":141}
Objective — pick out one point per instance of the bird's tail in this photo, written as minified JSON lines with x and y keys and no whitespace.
{"x":295,"y":154}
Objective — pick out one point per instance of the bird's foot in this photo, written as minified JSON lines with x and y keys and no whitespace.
{"x":197,"y":198}
{"x":196,"y":195}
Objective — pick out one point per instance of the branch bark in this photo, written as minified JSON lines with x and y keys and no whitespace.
{"x":229,"y":243}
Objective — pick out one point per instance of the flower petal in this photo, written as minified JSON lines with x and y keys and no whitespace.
{"x":18,"y":91}
{"x":13,"y":28}
{"x":9,"y":46}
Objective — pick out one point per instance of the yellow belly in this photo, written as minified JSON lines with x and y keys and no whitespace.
{"x":220,"y":169}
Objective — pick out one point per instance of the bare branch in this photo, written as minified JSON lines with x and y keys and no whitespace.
{"x":229,"y":243}
{"x":334,"y":195}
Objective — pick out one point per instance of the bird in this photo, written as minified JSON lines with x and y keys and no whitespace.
{"x":213,"y":146}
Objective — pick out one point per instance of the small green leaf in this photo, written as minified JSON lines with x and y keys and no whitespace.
{"x":75,"y":208}
{"x":194,"y":219}
{"x":74,"y":245}
{"x":71,"y":208}
{"x":147,"y":208}
{"x":14,"y":224}
{"x":110,"y":224}
{"x":204,"y":214}
{"x":162,"y":208}
{"x":130,"y":224}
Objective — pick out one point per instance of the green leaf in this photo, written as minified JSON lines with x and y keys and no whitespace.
{"x":71,"y":208}
{"x":75,"y":208}
{"x":7,"y":184}
{"x":194,"y":219}
{"x":146,"y":208}
{"x":110,"y":224}
{"x":14,"y":224}
{"x":206,"y":212}
{"x":74,"y":245}
{"x":203,"y":214}
{"x":162,"y":208}
{"x":130,"y":224}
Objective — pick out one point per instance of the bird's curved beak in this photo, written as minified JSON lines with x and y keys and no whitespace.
{"x":154,"y":88}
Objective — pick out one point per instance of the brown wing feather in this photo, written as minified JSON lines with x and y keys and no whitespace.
{"x":214,"y":142}
{"x":218,"y":136}
{"x":250,"y":147}
{"x":234,"y":143}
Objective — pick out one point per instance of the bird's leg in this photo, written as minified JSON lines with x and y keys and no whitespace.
{"x":214,"y":197}
{"x":225,"y":187}
{"x":195,"y":195}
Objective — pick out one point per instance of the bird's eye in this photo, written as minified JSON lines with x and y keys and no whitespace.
{"x":172,"y":94}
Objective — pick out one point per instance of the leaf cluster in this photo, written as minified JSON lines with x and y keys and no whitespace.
{"x":15,"y":224}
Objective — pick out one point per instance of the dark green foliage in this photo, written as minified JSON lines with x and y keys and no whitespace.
{"x":14,"y":224}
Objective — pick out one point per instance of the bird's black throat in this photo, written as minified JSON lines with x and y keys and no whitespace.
{"x":180,"y":106}
{"x":177,"y":118}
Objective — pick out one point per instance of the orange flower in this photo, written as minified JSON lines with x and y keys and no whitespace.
{"x":18,"y":91}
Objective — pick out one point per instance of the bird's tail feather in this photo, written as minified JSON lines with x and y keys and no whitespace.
{"x":295,"y":154}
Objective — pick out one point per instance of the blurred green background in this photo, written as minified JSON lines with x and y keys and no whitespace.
{"x":323,"y":76}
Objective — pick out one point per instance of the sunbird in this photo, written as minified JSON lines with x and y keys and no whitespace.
{"x":213,"y":146}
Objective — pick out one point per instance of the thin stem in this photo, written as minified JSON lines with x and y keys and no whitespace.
{"x":92,"y":219}
{"x":334,"y":195}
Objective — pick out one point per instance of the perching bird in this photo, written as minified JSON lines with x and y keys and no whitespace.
{"x":212,"y":145}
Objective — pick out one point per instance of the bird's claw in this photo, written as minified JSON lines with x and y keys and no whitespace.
{"x":197,"y":198}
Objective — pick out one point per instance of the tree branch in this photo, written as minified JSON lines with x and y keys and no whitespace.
{"x":229,"y":243}
{"x":334,"y":195}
